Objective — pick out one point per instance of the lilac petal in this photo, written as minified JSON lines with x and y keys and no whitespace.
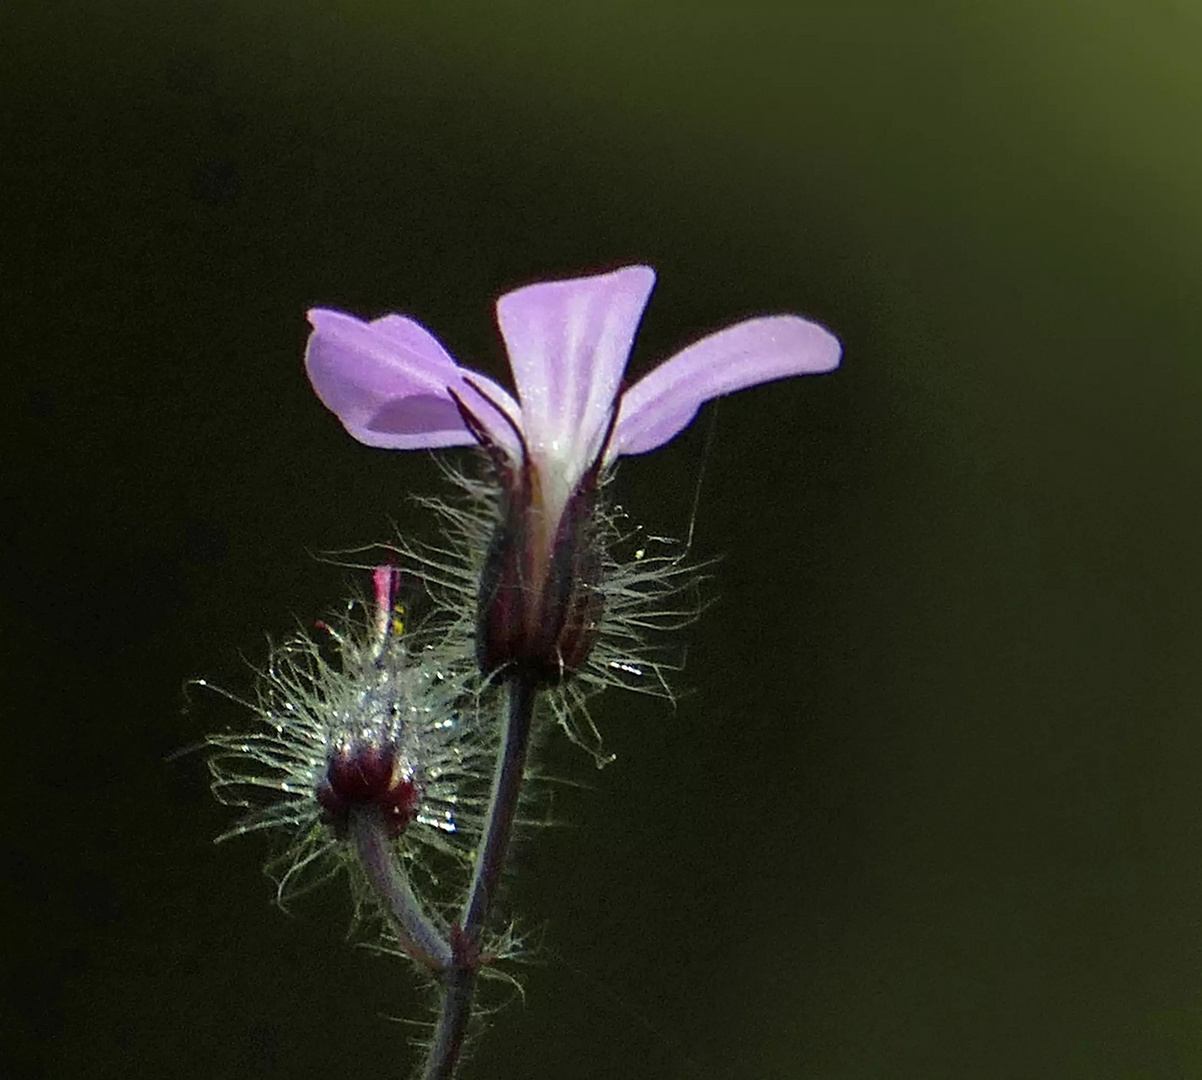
{"x":568,"y":344}
{"x":663,"y":403}
{"x":387,"y":381}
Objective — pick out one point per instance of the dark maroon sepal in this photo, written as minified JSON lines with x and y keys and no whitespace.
{"x":538,"y":609}
{"x":364,"y":773}
{"x":535,"y":616}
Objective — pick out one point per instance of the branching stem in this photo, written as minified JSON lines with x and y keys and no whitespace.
{"x":459,"y":980}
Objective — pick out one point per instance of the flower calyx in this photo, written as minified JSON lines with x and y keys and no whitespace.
{"x":365,"y":772}
{"x":540,"y":603}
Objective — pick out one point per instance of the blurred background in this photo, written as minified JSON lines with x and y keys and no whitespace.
{"x":931,"y":807}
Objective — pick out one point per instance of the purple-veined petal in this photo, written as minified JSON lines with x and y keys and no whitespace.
{"x":494,"y":408}
{"x":568,"y":343}
{"x":387,"y":381}
{"x":663,"y":403}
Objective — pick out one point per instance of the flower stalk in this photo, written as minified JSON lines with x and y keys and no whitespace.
{"x":460,"y":979}
{"x":416,"y":934}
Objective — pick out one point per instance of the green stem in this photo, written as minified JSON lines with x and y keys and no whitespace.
{"x":459,"y":980}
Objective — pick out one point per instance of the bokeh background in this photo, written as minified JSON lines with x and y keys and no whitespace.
{"x":932,"y":807}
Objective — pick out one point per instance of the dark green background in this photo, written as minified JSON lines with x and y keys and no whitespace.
{"x":932,"y":809}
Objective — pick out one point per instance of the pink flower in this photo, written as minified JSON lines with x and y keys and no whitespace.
{"x":389,"y":380}
{"x":393,"y":385}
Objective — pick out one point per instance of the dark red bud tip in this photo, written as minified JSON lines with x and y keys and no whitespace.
{"x":364,"y":773}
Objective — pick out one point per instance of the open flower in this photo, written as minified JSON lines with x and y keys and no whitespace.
{"x":393,"y":385}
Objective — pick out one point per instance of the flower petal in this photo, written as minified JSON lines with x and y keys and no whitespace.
{"x":663,"y":403}
{"x":568,"y":344}
{"x":387,"y":381}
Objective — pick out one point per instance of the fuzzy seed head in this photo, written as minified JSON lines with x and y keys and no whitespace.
{"x":366,"y":717}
